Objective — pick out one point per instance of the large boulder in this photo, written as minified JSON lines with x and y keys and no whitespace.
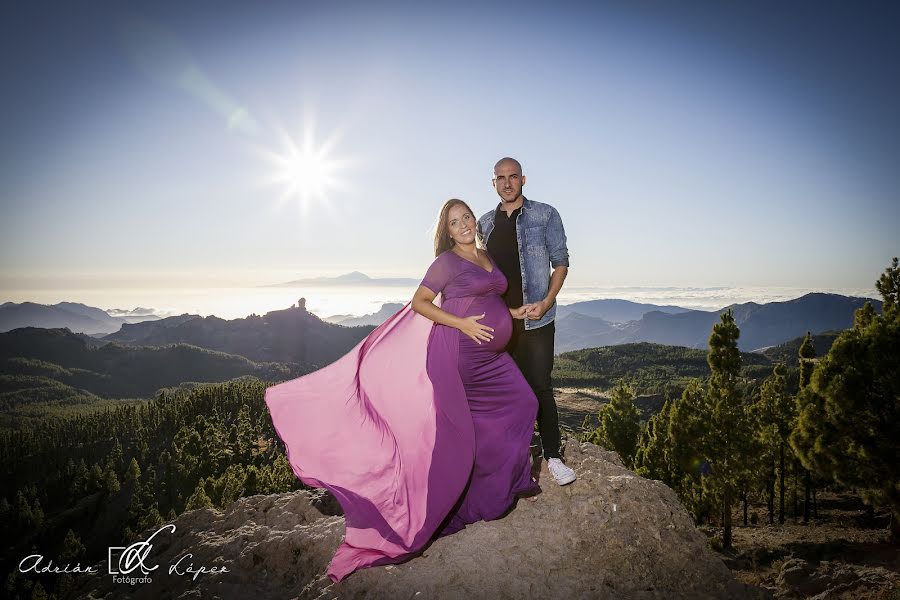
{"x":611,"y":534}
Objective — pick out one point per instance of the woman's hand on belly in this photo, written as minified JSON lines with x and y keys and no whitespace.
{"x":475,"y":330}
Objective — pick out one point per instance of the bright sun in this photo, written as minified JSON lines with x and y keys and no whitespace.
{"x":306,"y":172}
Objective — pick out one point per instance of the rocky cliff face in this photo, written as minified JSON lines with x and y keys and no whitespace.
{"x":611,"y":534}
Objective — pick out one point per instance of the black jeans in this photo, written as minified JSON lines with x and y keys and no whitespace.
{"x":532,"y":350}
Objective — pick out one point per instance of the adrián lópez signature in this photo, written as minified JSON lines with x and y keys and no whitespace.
{"x":130,"y":559}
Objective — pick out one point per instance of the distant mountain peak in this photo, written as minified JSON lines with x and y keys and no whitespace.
{"x":354,"y":276}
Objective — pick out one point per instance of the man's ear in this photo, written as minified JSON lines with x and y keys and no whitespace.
{"x":494,"y":183}
{"x":523,"y":180}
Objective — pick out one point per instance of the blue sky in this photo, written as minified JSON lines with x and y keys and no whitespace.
{"x":688,"y":145}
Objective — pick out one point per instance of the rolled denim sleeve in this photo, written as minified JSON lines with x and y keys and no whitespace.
{"x":556,"y":240}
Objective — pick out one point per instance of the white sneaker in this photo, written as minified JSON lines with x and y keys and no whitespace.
{"x":561,"y":473}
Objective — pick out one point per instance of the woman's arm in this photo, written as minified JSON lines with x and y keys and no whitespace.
{"x":423,"y":303}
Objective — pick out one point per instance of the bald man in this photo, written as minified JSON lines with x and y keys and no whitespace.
{"x":527,"y":239}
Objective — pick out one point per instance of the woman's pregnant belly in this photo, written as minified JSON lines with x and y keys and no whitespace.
{"x":496,"y":315}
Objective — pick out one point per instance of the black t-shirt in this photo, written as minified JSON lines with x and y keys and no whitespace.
{"x":504,"y":248}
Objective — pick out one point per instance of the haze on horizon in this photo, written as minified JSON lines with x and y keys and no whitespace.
{"x":700,"y":145}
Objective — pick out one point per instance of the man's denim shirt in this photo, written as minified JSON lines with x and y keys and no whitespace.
{"x":542,"y":243}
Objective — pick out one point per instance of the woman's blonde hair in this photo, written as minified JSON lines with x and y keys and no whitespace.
{"x":442,"y":239}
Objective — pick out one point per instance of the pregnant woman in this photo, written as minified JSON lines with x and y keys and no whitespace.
{"x":425,"y":426}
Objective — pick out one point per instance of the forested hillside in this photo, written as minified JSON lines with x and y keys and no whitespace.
{"x":50,"y":370}
{"x":74,"y":486}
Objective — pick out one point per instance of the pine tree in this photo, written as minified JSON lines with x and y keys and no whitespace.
{"x":807,"y":364}
{"x":199,"y":499}
{"x":133,"y":474}
{"x":94,"y":479}
{"x":81,"y":479}
{"x":150,"y":519}
{"x":72,"y":548}
{"x":143,"y":449}
{"x":251,"y":481}
{"x":135,"y":507}
{"x":39,"y":593}
{"x":167,"y":480}
{"x":888,"y":285}
{"x":652,"y":457}
{"x":687,"y":430}
{"x":232,"y":484}
{"x":850,"y":420}
{"x":116,"y":460}
{"x":128,"y":535}
{"x":110,"y":481}
{"x":38,"y":514}
{"x":620,"y":423}
{"x":245,"y":435}
{"x":807,"y":360}
{"x":775,"y":414}
{"x":283,"y":478}
{"x":728,"y":435}
{"x":25,"y":520}
{"x":148,"y":490}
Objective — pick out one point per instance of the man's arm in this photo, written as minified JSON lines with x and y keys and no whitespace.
{"x":556,"y":240}
{"x":559,"y":260}
{"x":536,"y":310}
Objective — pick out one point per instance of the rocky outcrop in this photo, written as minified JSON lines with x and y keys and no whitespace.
{"x":611,"y":534}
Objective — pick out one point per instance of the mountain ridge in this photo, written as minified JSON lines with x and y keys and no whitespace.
{"x":761,"y":325}
{"x":72,"y":315}
{"x":615,"y":310}
{"x":292,"y":335}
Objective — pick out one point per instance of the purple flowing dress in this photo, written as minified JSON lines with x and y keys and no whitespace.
{"x":418,"y":430}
